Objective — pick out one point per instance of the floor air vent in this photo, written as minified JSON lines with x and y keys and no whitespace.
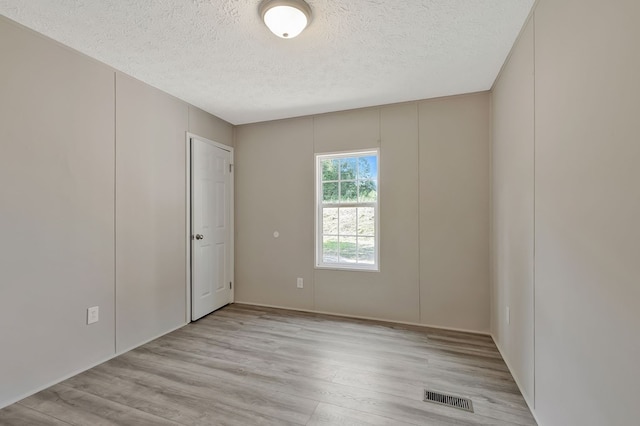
{"x":448,"y":400}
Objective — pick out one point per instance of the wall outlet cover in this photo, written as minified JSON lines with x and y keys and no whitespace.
{"x":300,"y":283}
{"x":93,"y":314}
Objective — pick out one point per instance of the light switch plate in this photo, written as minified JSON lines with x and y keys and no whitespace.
{"x":300,"y":283}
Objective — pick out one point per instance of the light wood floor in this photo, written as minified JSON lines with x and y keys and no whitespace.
{"x":245,"y":365}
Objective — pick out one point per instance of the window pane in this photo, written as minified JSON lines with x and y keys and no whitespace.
{"x":366,"y":221}
{"x":329,"y":170}
{"x":366,"y":250}
{"x":348,"y":249}
{"x":367,"y":191}
{"x":330,"y":192}
{"x":347,"y":221}
{"x":348,"y":192}
{"x":347,"y":208}
{"x":348,"y":168}
{"x":330,"y":249}
{"x":368,"y":167}
{"x":330,"y":221}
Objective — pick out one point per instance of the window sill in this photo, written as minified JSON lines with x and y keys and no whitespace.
{"x":346,"y":268}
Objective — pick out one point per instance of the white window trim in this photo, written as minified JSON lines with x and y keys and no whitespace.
{"x":319,"y":264}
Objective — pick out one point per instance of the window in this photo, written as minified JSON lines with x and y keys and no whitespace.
{"x":347,"y":210}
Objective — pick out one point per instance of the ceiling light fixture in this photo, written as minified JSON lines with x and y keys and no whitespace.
{"x":285,"y":18}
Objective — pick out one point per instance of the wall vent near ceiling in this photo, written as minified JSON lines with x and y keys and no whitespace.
{"x":448,"y":400}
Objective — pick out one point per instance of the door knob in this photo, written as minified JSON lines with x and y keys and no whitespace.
{"x":199,"y":237}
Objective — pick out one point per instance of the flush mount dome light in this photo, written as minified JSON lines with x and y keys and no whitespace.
{"x":285,"y":18}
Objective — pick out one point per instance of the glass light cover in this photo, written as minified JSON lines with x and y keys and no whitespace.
{"x":285,"y":21}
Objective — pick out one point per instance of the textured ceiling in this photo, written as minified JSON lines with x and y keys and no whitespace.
{"x":219,"y":56}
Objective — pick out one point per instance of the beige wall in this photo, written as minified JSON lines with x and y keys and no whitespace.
{"x":587,"y":204}
{"x":92,"y":211}
{"x":512,"y":192}
{"x":270,"y":180}
{"x":56,"y":211}
{"x":203,"y":124}
{"x":392,"y":292}
{"x":454,"y":212}
{"x":275,"y":192}
{"x":150,"y":212}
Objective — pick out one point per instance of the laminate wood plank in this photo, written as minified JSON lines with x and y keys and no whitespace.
{"x":19,"y":415}
{"x":363,"y":326}
{"x":479,"y":345}
{"x":195,"y":387}
{"x":246,"y":365}
{"x":402,"y":408}
{"x":235,"y":387}
{"x":505,"y":416}
{"x":169,"y":401}
{"x":289,"y":356}
{"x":327,"y":414}
{"x":79,"y":408}
{"x":276,"y":362}
{"x":232,"y":340}
{"x":488,"y":403}
{"x":429,"y":374}
{"x":293,"y":343}
{"x":356,"y":343}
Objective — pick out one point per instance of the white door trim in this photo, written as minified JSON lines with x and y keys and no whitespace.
{"x":228,"y":148}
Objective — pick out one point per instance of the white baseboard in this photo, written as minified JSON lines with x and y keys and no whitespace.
{"x":530,"y":403}
{"x":4,"y":404}
{"x":335,"y":314}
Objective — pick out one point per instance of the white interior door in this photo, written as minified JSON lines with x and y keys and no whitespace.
{"x":210,"y":228}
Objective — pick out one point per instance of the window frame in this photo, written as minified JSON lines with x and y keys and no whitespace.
{"x":318,"y":234}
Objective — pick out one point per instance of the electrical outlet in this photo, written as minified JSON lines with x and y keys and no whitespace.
{"x":300,"y":283}
{"x":508,"y":315}
{"x":93,"y":314}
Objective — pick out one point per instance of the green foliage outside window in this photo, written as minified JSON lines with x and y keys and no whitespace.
{"x":349,"y":180}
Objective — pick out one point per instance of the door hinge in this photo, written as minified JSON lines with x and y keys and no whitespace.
{"x":230,"y":284}
{"x":230,"y":167}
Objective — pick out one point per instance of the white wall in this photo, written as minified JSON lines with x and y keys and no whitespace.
{"x":434,"y":159}
{"x":92,"y":210}
{"x":587,"y":203}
